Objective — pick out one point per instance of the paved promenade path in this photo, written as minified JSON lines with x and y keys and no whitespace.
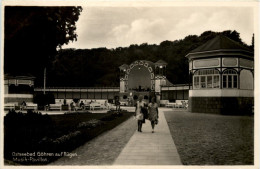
{"x":148,"y":148}
{"x":123,"y":145}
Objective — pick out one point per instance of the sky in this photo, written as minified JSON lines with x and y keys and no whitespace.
{"x":113,"y":27}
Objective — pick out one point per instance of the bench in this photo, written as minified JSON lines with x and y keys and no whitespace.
{"x":178,"y":104}
{"x":94,"y":106}
{"x":164,"y":102}
{"x":31,"y":106}
{"x":181,"y":103}
{"x":55,"y":106}
{"x":172,"y":105}
{"x":10,"y":106}
{"x":123,"y":103}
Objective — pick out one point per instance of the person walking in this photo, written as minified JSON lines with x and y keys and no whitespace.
{"x":23,"y":105}
{"x":72,"y":106}
{"x":117,"y":103}
{"x":138,"y":112}
{"x":153,"y":113}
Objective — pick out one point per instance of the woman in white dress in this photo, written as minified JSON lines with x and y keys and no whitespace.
{"x":153,"y":113}
{"x":138,"y":113}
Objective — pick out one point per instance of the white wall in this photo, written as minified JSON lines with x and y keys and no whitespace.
{"x":6,"y":89}
{"x":221,"y":93}
{"x":157,"y":85}
{"x":122,"y":86}
{"x":18,"y":95}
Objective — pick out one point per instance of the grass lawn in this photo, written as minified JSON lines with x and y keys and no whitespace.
{"x":54,"y":133}
{"x":209,"y":139}
{"x":64,"y":123}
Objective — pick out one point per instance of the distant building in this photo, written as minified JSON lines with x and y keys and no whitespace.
{"x":222,"y":77}
{"x":141,"y":77}
{"x":18,"y":89}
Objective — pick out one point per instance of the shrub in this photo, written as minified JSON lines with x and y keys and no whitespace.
{"x":89,"y":124}
{"x":43,"y":100}
{"x":23,"y":131}
{"x":34,"y":132}
{"x":112,"y":114}
{"x":60,"y":140}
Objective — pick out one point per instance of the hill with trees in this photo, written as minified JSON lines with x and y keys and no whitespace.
{"x":99,"y":67}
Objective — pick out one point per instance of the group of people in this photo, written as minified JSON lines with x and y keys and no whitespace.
{"x":82,"y":105}
{"x":144,"y":111}
{"x":74,"y":106}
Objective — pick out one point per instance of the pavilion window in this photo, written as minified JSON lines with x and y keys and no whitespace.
{"x":235,"y":81}
{"x":196,"y":82}
{"x":216,"y":81}
{"x":230,"y":79}
{"x":203,"y":82}
{"x":157,"y":70}
{"x":224,"y":81}
{"x":207,"y":78}
{"x":209,"y":81}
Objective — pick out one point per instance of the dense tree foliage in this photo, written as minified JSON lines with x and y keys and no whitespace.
{"x":33,"y":34}
{"x":99,"y":67}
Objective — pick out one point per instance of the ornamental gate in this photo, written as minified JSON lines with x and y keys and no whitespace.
{"x":142,"y":77}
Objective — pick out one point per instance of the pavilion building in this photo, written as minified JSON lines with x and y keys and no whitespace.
{"x":222,"y":73}
{"x":18,"y":89}
{"x":142,"y":77}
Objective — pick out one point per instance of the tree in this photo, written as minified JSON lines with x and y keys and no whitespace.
{"x":33,"y":34}
{"x":99,"y":67}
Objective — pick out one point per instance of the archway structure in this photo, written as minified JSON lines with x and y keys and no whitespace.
{"x":142,"y":77}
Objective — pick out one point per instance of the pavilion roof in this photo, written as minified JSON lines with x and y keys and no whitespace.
{"x":160,"y":62}
{"x":220,"y":42}
{"x":24,"y":76}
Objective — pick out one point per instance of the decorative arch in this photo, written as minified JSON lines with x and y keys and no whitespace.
{"x":230,"y":79}
{"x":230,"y":71}
{"x":142,"y":63}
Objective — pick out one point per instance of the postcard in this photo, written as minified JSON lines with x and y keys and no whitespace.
{"x":149,"y":84}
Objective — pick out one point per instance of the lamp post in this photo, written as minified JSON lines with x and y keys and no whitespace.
{"x":44,"y":81}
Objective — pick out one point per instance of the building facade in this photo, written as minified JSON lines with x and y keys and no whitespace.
{"x":95,"y":93}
